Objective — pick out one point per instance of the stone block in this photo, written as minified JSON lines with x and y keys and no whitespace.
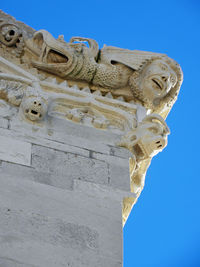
{"x":9,"y":262}
{"x":69,"y":165}
{"x":31,"y":174}
{"x":37,"y":140}
{"x":120,"y":152}
{"x":119,"y":175}
{"x":15,"y":151}
{"x":3,"y":124}
{"x":68,"y":133}
{"x":43,"y":255}
{"x":41,"y":228}
{"x":49,"y":226}
{"x":101,"y":191}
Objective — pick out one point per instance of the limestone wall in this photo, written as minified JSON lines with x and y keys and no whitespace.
{"x":72,"y":117}
{"x":61,"y":195}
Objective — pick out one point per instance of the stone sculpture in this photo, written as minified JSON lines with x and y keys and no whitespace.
{"x":153,"y":78}
{"x":149,"y":138}
{"x":129,"y":92}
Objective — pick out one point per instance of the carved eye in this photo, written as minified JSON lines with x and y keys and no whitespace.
{"x":164,"y":67}
{"x":11,"y":32}
{"x":173,"y":80}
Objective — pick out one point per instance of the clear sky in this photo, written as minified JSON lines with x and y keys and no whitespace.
{"x":163,"y":229}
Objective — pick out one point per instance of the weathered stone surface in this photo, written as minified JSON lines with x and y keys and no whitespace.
{"x":32,"y":174}
{"x":101,"y":191}
{"x":72,"y":117}
{"x":31,"y":137}
{"x":117,"y":168}
{"x":15,"y":151}
{"x":6,"y":262}
{"x":69,"y":165}
{"x":45,"y":229}
{"x":40,"y":207}
{"x":4,"y":123}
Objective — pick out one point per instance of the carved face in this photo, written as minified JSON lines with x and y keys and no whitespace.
{"x":150,"y":140}
{"x":9,"y":34}
{"x":157,"y":79}
{"x":34,"y":108}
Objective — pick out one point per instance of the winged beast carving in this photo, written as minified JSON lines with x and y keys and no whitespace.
{"x":152,"y":79}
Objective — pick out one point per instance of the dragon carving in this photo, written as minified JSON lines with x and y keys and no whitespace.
{"x":152,"y":79}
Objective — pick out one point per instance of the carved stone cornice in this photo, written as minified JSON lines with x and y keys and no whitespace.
{"x":128,"y":92}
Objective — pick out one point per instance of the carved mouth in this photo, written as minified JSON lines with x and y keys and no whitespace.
{"x":142,"y":151}
{"x":139,"y":150}
{"x":48,"y":49}
{"x":34,"y":112}
{"x":56,"y":57}
{"x":157,"y":83}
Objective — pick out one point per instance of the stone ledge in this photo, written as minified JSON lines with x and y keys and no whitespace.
{"x":37,"y":140}
{"x":68,"y":133}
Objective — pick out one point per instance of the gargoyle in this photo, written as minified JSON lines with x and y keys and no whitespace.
{"x":148,"y":139}
{"x":145,"y":141}
{"x":32,"y":104}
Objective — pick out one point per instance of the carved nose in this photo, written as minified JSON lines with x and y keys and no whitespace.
{"x":160,"y":144}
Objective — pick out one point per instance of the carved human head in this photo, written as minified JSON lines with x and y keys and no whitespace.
{"x":34,"y":108}
{"x":157,"y":81}
{"x":150,"y":137}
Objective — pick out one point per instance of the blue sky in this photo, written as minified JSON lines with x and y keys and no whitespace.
{"x":163,"y":229}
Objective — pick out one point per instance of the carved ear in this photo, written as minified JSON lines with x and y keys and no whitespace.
{"x":93,"y":45}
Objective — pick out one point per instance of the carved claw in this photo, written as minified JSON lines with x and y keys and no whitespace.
{"x":93,"y":45}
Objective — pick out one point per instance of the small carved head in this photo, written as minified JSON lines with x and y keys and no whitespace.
{"x":9,"y":33}
{"x":151,"y":136}
{"x":34,"y":108}
{"x":148,"y":139}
